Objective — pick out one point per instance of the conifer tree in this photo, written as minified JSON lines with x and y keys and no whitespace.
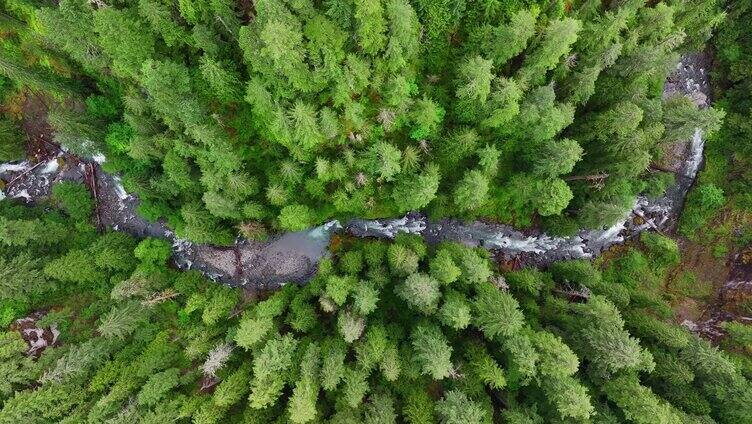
{"x":432,"y":351}
{"x":269,"y":368}
{"x":455,"y":408}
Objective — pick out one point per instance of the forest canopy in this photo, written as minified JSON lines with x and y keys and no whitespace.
{"x":386,"y":332}
{"x":288,"y":113}
{"x":268,"y":115}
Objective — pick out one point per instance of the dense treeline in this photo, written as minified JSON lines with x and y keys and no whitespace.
{"x":727,"y":179}
{"x":385,"y":333}
{"x":290,"y":112}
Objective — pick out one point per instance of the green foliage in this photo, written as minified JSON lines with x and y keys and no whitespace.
{"x":661,"y":249}
{"x":389,"y":332}
{"x":268,"y":371}
{"x":222,"y":118}
{"x":74,"y":199}
{"x":296,"y":217}
{"x":456,"y":408}
{"x":421,"y":292}
{"x":456,"y":311}
{"x":472,"y":191}
{"x":11,"y":141}
{"x":293,"y":114}
{"x":157,"y":387}
{"x":497,"y":313}
{"x":702,"y":203}
{"x":153,"y":251}
{"x":432,"y":351}
{"x":123,"y":320}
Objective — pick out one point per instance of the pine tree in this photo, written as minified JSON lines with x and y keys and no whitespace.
{"x":422,"y":292}
{"x":74,"y":267}
{"x":603,"y":340}
{"x":414,"y":192}
{"x":224,"y":81}
{"x":253,"y":330}
{"x":556,"y":43}
{"x":426,"y":116}
{"x":78,"y":362}
{"x":456,"y":408}
{"x":16,"y":369}
{"x":569,"y":397}
{"x":114,"y":251}
{"x":269,"y":368}
{"x":157,"y":387}
{"x":384,"y":161}
{"x":333,"y":351}
{"x":390,"y":365}
{"x":556,"y":359}
{"x":456,"y":311}
{"x":125,"y":39}
{"x":371,"y":25}
{"x":402,"y":261}
{"x":350,"y":325}
{"x":354,"y":386}
{"x":496,"y":313}
{"x":370,"y":349}
{"x":338,"y":288}
{"x":507,"y":41}
{"x":302,"y":403}
{"x":365,"y":298}
{"x":160,"y":18}
{"x":638,"y":403}
{"x":472,"y":191}
{"x":122,"y":320}
{"x":473,"y":87}
{"x":432,"y":351}
{"x":484,"y":367}
{"x":443,"y":268}
{"x":17,"y":272}
{"x":556,"y":158}
{"x":503,"y":103}
{"x":380,"y":409}
{"x":231,"y":390}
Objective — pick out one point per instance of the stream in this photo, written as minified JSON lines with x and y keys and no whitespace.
{"x":293,"y":257}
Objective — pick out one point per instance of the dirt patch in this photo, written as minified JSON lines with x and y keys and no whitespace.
{"x":723,"y":281}
{"x":37,"y":338}
{"x":41,"y":143}
{"x":247,"y":10}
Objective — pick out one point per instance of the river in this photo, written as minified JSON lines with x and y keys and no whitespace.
{"x":293,"y":257}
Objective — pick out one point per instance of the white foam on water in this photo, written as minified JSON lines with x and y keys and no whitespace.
{"x":324,"y":232}
{"x":51,"y":166}
{"x":611,"y":235}
{"x":98,"y":158}
{"x":119,"y":189}
{"x":696,"y":147}
{"x":23,"y":194}
{"x":14,"y":167}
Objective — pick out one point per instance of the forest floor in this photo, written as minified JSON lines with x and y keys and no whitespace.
{"x":713,"y":282}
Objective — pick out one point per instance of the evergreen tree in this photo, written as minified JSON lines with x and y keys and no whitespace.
{"x":269,"y":368}
{"x":432,"y":351}
{"x":455,"y":408}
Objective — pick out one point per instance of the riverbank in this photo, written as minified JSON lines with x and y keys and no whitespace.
{"x":293,"y":257}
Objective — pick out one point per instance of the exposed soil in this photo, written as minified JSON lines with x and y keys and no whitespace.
{"x":37,"y":338}
{"x":724,"y":291}
{"x":40,"y":144}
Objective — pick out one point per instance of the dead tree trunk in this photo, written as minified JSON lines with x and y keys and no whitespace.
{"x":91,"y":180}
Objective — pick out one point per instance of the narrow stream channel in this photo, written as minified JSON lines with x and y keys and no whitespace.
{"x":293,"y":257}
